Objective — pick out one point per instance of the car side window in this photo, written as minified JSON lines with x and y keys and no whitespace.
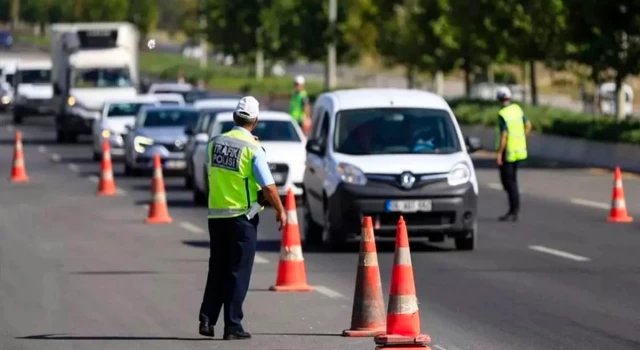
{"x":324,"y":130}
{"x":316,"y":120}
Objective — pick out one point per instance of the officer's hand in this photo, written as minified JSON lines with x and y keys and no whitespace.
{"x":281,"y":218}
{"x":499,"y":160}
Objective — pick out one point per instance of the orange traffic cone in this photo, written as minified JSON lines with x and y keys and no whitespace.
{"x":403,"y":317}
{"x":368,"y":315}
{"x":291,"y":272}
{"x":618,"y":211}
{"x":18,"y":171}
{"x":158,"y":209}
{"x":107,"y":185}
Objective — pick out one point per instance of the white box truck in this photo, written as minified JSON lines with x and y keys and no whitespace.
{"x":92,"y":63}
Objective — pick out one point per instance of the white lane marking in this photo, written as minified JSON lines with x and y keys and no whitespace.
{"x":55,"y":157}
{"x":191,"y":227}
{"x":10,"y":127}
{"x":328,"y":292}
{"x":495,"y":186}
{"x":588,"y":203}
{"x":94,"y":178}
{"x":439,"y":347}
{"x":120,"y":191}
{"x":558,"y":253}
{"x":42,"y":149}
{"x":260,"y":260}
{"x":145,"y":206}
{"x":73,"y":167}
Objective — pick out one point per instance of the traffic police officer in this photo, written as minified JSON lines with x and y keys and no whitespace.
{"x":511,"y":144}
{"x":300,"y":108}
{"x":239,"y":183}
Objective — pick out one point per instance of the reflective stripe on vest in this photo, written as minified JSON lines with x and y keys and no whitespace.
{"x":516,"y":137}
{"x":232,"y":185}
{"x":296,"y":108}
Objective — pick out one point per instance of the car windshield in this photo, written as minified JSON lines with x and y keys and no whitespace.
{"x":207,"y":116}
{"x":125,"y":109}
{"x":395,"y":131}
{"x":270,"y":130}
{"x":102,"y":78}
{"x":169,"y":117}
{"x":35,"y":76}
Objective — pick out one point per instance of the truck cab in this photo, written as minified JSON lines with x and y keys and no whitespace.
{"x":92,"y":63}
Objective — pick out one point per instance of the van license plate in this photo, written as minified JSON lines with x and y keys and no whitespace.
{"x":176,"y":164}
{"x":408,"y":206}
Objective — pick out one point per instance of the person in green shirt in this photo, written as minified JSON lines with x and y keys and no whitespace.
{"x":300,"y":108}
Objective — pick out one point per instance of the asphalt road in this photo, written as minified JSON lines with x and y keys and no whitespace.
{"x":82,"y":272}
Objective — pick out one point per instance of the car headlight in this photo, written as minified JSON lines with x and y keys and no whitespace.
{"x":5,"y":100}
{"x":139,"y":143}
{"x":460,"y":174}
{"x":351,"y":174}
{"x":106,"y":133}
{"x":71,"y":101}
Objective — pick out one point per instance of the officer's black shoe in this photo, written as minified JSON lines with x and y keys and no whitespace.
{"x":206,"y":329}
{"x":509,"y":217}
{"x":236,"y":335}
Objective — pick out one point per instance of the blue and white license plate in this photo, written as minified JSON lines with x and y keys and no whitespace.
{"x":409,"y":206}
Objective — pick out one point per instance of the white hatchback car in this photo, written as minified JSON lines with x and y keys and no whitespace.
{"x":385,"y":153}
{"x":281,"y":138}
{"x":112,"y":124}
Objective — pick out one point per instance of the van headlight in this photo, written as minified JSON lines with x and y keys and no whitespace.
{"x":460,"y":174}
{"x":5,"y":100}
{"x":71,"y":101}
{"x":140,"y":142}
{"x":351,"y":174}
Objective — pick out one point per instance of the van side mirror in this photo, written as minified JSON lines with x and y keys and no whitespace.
{"x":313,"y":146}
{"x":473,"y":144}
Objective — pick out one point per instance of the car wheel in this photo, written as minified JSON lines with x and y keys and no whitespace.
{"x":312,"y":231}
{"x":332,"y":239}
{"x":18,"y":118}
{"x":97,"y":156}
{"x":127,"y":170}
{"x":188,"y":181}
{"x":61,"y":137}
{"x":468,"y":240}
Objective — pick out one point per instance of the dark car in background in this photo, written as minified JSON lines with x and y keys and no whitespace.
{"x":6,"y":39}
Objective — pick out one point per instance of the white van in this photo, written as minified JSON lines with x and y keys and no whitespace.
{"x":32,"y":89}
{"x":385,"y":153}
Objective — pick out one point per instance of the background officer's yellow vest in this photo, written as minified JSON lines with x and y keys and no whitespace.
{"x":232,"y":187}
{"x":296,"y":109}
{"x":516,"y":136}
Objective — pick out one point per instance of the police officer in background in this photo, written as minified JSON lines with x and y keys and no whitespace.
{"x":300,"y":107}
{"x":513,"y":127}
{"x":240,"y":183}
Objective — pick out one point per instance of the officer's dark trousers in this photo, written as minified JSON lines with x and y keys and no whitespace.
{"x":232,"y":249}
{"x":509,"y":178}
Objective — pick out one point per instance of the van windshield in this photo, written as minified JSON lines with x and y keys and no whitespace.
{"x":395,"y":131}
{"x":35,"y":76}
{"x":102,"y":78}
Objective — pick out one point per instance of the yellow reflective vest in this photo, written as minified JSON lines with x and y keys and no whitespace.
{"x":516,"y":136}
{"x":233,"y":189}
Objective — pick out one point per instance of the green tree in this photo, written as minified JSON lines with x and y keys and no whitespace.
{"x":536,"y":34}
{"x":609,"y":41}
{"x":101,"y":10}
{"x":144,"y":14}
{"x":476,"y":33}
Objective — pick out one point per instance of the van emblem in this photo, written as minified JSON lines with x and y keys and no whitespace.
{"x":407,"y":180}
